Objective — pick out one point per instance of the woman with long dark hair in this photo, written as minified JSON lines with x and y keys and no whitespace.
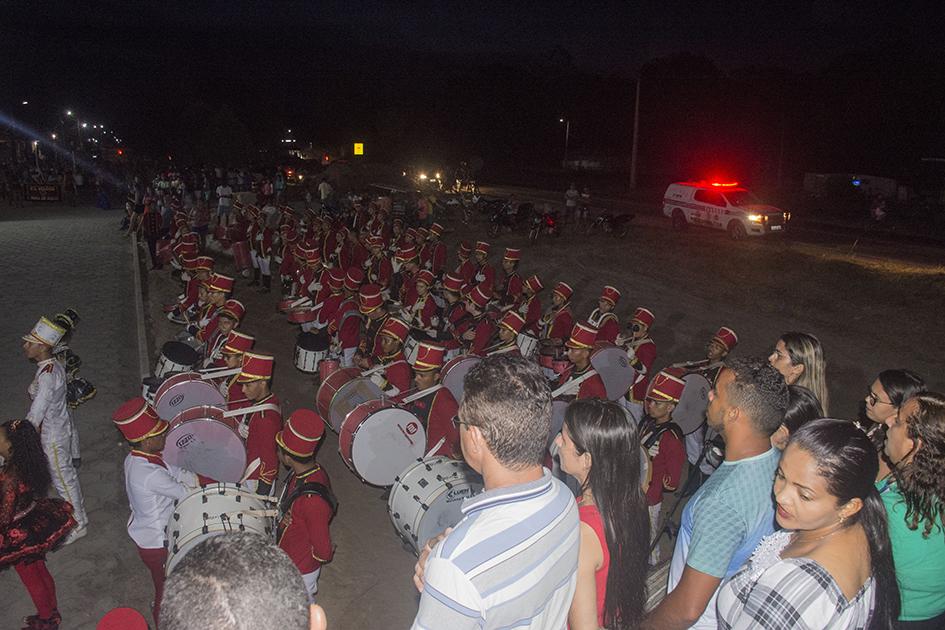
{"x":600,"y":447}
{"x":884,"y":397}
{"x":30,"y":524}
{"x":914,"y":496}
{"x":831,"y":566}
{"x":803,"y":407}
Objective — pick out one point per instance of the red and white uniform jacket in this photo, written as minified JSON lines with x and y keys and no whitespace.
{"x":484,"y":327}
{"x":467,"y":271}
{"x":486,"y":274}
{"x":191,"y":295}
{"x":370,"y":345}
{"x":260,"y":428}
{"x":424,"y":313}
{"x":512,"y":289}
{"x":433,"y":257}
{"x":436,"y":411}
{"x":530,"y":310}
{"x":303,"y":530}
{"x":645,"y":355}
{"x":233,"y":391}
{"x":457,"y":321}
{"x":346,"y":325}
{"x":396,"y":376}
{"x":607,"y":325}
{"x":593,"y":387}
{"x":329,"y":308}
{"x":408,"y":288}
{"x":667,"y":456}
{"x":507,"y":348}
{"x":380,"y":271}
{"x":152,"y":487}
{"x":261,"y":240}
{"x":557,"y":324}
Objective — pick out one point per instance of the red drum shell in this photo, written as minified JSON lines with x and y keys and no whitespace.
{"x":302,"y":316}
{"x":560,"y":366}
{"x":241,"y":256}
{"x":327,"y":367}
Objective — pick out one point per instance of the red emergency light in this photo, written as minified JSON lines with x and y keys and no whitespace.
{"x":725,"y":184}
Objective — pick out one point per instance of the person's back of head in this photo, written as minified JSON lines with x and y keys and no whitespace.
{"x":235,"y":582}
{"x":803,"y":407}
{"x":508,"y":399}
{"x":760,"y":392}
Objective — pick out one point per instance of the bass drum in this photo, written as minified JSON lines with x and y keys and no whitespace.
{"x":241,"y":256}
{"x":454,"y":374}
{"x":203,"y":441}
{"x":613,"y":366}
{"x":689,"y":413}
{"x":427,"y":497}
{"x":215,"y":510}
{"x":184,"y":391}
{"x":378,"y":439}
{"x":342,"y":391}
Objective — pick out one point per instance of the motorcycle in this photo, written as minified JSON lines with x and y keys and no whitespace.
{"x":617,"y":225}
{"x":544,"y":223}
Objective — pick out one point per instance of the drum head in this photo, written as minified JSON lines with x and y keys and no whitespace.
{"x":207,"y":447}
{"x":313,"y":341}
{"x":614,"y":369}
{"x":558,"y":407}
{"x":385,"y":443}
{"x":690,"y":411}
{"x":454,"y":375}
{"x":349,"y":396}
{"x":180,"y":353}
{"x":175,"y":396}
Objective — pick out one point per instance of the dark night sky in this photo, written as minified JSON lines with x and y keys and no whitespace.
{"x":333,"y":69}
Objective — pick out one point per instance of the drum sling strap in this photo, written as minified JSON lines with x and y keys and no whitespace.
{"x":312,"y":488}
{"x":659,"y":430}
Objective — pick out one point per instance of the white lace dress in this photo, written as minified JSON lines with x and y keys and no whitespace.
{"x":789,"y":594}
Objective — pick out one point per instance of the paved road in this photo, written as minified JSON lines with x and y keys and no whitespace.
{"x":53,"y":258}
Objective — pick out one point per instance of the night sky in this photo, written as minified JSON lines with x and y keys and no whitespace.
{"x":461,"y":78}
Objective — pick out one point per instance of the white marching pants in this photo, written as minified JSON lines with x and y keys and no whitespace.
{"x":347,"y":357}
{"x":654,"y":530}
{"x":65,"y":477}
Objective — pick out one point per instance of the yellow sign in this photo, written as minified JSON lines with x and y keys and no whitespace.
{"x":359,"y":148}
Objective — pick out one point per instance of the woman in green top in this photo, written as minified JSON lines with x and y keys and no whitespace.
{"x":914,"y":495}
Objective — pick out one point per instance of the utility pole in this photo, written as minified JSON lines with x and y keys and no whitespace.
{"x":636,"y":136}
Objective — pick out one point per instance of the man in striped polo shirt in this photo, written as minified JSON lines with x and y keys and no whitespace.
{"x":512,"y":560}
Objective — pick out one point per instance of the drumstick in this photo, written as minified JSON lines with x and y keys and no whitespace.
{"x":374,"y":370}
{"x":422,"y":393}
{"x":253,"y":465}
{"x":436,"y":447}
{"x":207,"y":374}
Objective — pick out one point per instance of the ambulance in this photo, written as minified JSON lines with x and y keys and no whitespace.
{"x":722,"y":206}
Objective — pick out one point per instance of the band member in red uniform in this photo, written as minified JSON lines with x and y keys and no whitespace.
{"x":236,"y":345}
{"x":396,"y":376}
{"x":662,"y":439}
{"x":153,"y":486}
{"x":218,"y":289}
{"x":603,"y":317}
{"x":423,"y":313}
{"x":511,"y":281}
{"x":642,"y":353}
{"x":199,"y":270}
{"x":557,"y":322}
{"x":346,"y":325}
{"x":261,"y":240}
{"x":435,"y":258}
{"x":466,"y":269}
{"x":485,"y":272}
{"x":379,"y":270}
{"x":335,"y":296}
{"x":529,"y":305}
{"x":437,"y":408}
{"x":455,"y":316}
{"x":509,"y":327}
{"x":718,"y":347}
{"x":227,"y":319}
{"x":307,"y":504}
{"x":288,"y":239}
{"x":580,"y":345}
{"x":371,"y":306}
{"x":259,"y":428}
{"x":404,"y":288}
{"x":479,"y":333}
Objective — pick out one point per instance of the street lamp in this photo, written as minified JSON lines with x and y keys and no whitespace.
{"x":567,"y":137}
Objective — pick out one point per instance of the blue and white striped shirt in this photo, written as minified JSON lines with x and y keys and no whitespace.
{"x":510,"y":563}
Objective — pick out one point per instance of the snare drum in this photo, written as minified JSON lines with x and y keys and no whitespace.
{"x":310,"y":349}
{"x":613,"y":366}
{"x":527,"y":345}
{"x":454,"y":373}
{"x":342,"y":391}
{"x":176,"y":356}
{"x":427,"y":497}
{"x":378,"y":439}
{"x":183,"y":391}
{"x":301,"y":315}
{"x":285,"y":305}
{"x":213,"y":510}
{"x":202,"y":440}
{"x":689,"y":413}
{"x":411,"y":348}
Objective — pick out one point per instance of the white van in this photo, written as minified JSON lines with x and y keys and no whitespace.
{"x":722,"y":206}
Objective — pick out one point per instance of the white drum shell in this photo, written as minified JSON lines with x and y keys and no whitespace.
{"x":307,"y":360}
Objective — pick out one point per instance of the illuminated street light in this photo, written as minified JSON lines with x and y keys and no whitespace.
{"x":567,"y":137}
{"x":84,"y":125}
{"x":25,"y":103}
{"x":53,"y":136}
{"x":68,"y":112}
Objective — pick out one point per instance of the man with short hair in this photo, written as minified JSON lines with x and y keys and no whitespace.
{"x":512,"y":560}
{"x":239,"y":581}
{"x":727,"y":517}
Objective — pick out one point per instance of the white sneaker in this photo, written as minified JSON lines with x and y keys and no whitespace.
{"x":76,"y":534}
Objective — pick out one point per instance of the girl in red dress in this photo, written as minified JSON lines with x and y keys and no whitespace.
{"x":30,"y":523}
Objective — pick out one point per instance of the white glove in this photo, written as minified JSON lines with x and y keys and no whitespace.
{"x":378,"y":379}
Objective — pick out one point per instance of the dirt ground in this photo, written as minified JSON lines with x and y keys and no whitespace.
{"x":868,"y":319}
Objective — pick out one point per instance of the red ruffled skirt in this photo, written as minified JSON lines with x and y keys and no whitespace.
{"x":35,"y":531}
